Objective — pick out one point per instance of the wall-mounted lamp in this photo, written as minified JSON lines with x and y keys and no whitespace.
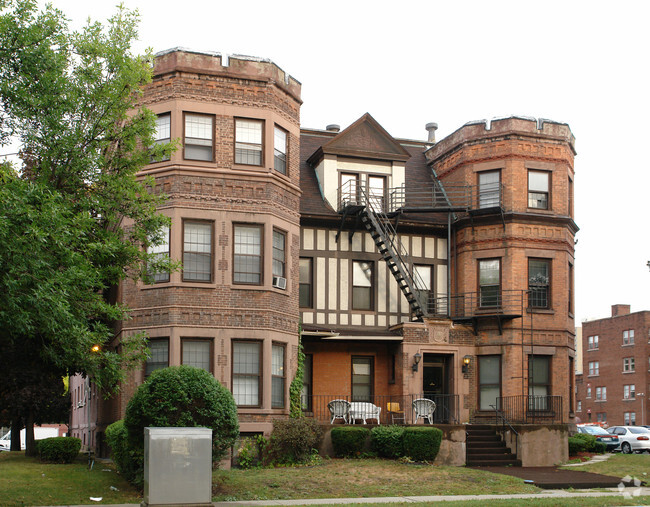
{"x":466,"y":361}
{"x":416,"y":360}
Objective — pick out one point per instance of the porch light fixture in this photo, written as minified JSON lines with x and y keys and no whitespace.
{"x":416,"y":361}
{"x":466,"y":361}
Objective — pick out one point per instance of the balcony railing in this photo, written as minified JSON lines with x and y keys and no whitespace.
{"x":401,"y":407}
{"x":529,"y":409}
{"x":430,"y":197}
{"x":478,"y":304}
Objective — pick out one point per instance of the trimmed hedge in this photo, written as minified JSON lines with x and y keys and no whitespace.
{"x":59,"y":449}
{"x":388,"y":441}
{"x":349,"y":440}
{"x":124,"y":459}
{"x":576,"y":445}
{"x":422,"y":443}
{"x":180,"y":396}
{"x":293,"y":440}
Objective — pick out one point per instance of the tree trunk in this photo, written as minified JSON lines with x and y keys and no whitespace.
{"x":30,"y":443}
{"x":16,"y":426}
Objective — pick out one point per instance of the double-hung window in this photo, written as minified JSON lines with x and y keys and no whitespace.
{"x":279,"y":254}
{"x":629,"y":418}
{"x":489,"y":276}
{"x":246,"y":373}
{"x":160,"y":251}
{"x":163,"y":132}
{"x":362,"y":378}
{"x":248,"y":141}
{"x":362,"y":285}
{"x":629,"y":391}
{"x":199,"y":129}
{"x":628,"y":364}
{"x":628,"y":337}
{"x":594,"y":367}
{"x":539,"y":282}
{"x":489,"y":189}
{"x":306,"y":282}
{"x":197,"y":251}
{"x":377,"y":193}
{"x":248,"y":254}
{"x":278,"y":376}
{"x":423,"y":277}
{"x":601,"y":394}
{"x":539,"y":382}
{"x":349,"y":190}
{"x":158,"y":355}
{"x":592,"y":342}
{"x":280,"y":150}
{"x":538,"y":185}
{"x":197,"y":352}
{"x":489,"y":380}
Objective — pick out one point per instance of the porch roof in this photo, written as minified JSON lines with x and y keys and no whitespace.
{"x":338,"y":336}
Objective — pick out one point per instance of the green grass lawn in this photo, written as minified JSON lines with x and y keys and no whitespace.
{"x":620,"y":465}
{"x":27,"y":481}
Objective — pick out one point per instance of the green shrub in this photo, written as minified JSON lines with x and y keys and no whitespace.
{"x":599,"y":447}
{"x":349,"y":440}
{"x":59,"y":449}
{"x":180,"y":396}
{"x":588,"y":439}
{"x":388,"y":441}
{"x":422,"y":443}
{"x":576,"y":445}
{"x":293,"y":440}
{"x":123,"y":457}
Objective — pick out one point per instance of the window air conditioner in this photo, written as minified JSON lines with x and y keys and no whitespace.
{"x":279,"y":282}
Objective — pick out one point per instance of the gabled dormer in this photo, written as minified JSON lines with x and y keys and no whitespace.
{"x":363,"y":154}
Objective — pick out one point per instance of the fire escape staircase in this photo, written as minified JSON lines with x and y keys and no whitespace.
{"x":391,"y":250}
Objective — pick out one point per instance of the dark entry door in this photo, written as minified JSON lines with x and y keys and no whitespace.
{"x":435,"y":384}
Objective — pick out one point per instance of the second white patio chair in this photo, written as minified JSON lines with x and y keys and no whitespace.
{"x":339,"y":409}
{"x":424,"y":408}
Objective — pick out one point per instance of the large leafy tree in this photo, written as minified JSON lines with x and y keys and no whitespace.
{"x":74,"y":219}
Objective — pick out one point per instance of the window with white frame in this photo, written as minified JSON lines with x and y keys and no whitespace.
{"x":306,"y":282}
{"x":628,"y":337}
{"x":579,"y":407}
{"x":489,"y":189}
{"x":162,"y":133}
{"x":629,"y":391}
{"x":594,"y":367}
{"x":539,"y":283}
{"x":538,"y":185}
{"x":248,"y":141}
{"x":588,"y":392}
{"x":629,"y":418}
{"x":279,"y":253}
{"x":280,"y":150}
{"x":158,"y":252}
{"x":278,"y":376}
{"x":592,"y":342}
{"x":199,"y":137}
{"x":197,"y":251}
{"x":423,"y":278}
{"x":247,"y":265}
{"x":628,"y":364}
{"x":197,"y":352}
{"x":489,"y":281}
{"x":601,"y":393}
{"x":246,"y":373}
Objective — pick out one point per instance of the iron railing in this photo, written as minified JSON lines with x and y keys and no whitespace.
{"x":401,"y":407}
{"x":531,"y":409}
{"x":477,"y":304}
{"x":500,"y":416}
{"x":432,"y":197}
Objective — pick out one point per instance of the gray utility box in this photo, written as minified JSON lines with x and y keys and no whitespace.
{"x":177,"y":466}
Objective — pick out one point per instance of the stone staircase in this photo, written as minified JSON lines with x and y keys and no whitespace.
{"x":484,"y":447}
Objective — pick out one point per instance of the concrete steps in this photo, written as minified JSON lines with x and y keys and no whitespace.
{"x":484,"y":447}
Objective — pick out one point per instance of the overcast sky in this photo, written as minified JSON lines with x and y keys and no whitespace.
{"x":409,"y":63}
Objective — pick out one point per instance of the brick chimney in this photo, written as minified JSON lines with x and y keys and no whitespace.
{"x":618,"y":310}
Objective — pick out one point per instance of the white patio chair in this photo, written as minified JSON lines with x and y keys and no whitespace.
{"x":424,"y":408}
{"x":339,"y":409}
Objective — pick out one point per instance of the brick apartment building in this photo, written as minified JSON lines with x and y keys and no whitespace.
{"x":615,"y":380}
{"x":410,"y":268}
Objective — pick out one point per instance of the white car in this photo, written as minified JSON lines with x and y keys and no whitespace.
{"x":632,"y":438}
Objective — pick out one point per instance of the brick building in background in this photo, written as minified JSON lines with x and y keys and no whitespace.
{"x":613,"y":388}
{"x":417,"y":268}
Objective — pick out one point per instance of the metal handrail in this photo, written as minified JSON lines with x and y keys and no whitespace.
{"x":504,"y":421}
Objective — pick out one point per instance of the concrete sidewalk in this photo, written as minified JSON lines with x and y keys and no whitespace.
{"x":549,"y":493}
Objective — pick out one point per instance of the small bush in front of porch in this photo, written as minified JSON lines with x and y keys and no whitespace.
{"x":422,"y":443}
{"x":293,"y":440}
{"x":349,"y":441}
{"x":59,"y":449}
{"x":576,"y":445}
{"x":388,"y":441}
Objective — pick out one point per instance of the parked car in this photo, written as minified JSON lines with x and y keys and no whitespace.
{"x":632,"y":438}
{"x":39,"y":433}
{"x":602,"y":435}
